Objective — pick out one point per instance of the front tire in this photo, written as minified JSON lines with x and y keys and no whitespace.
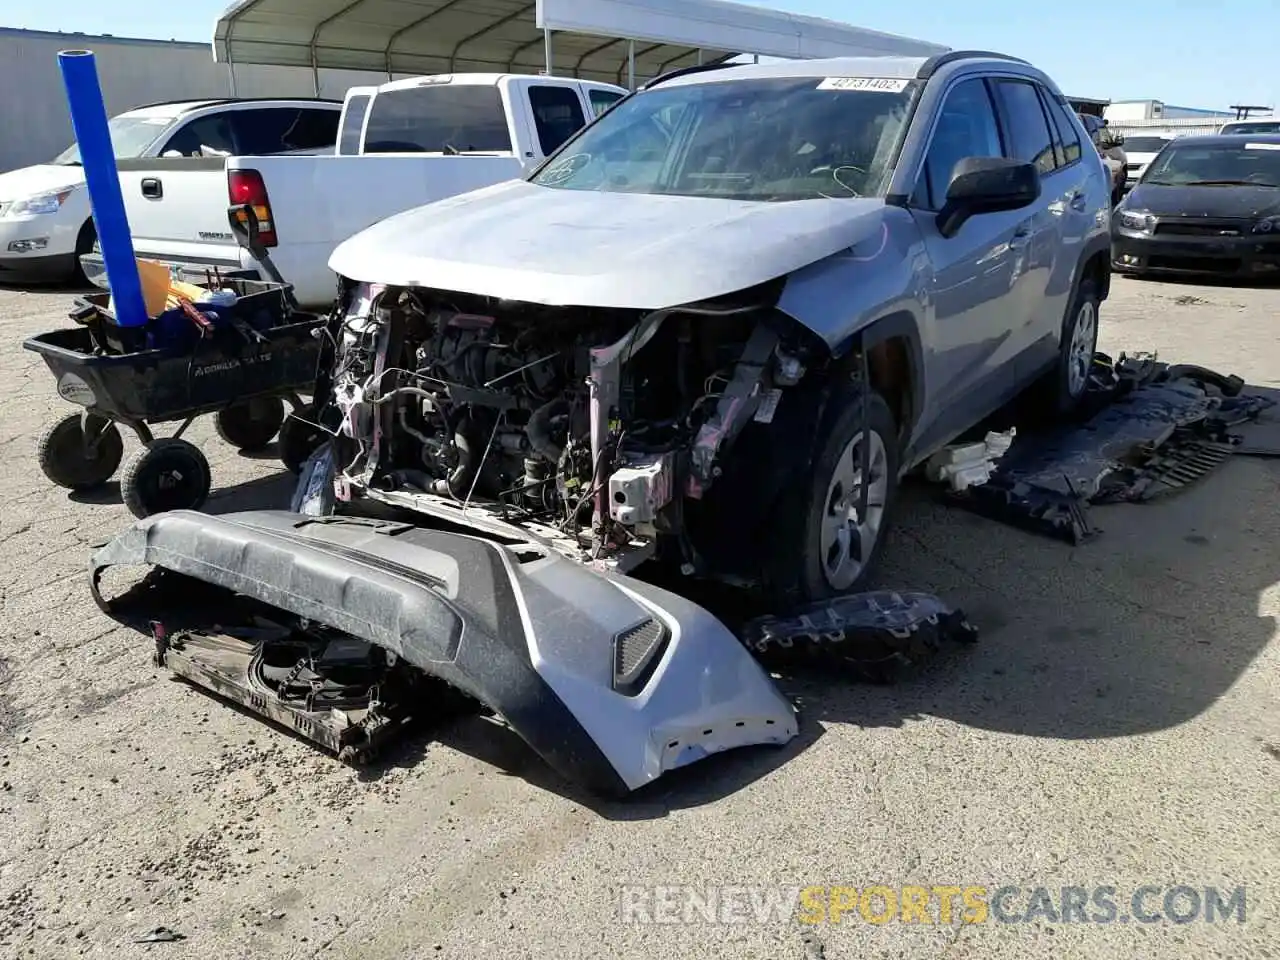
{"x":87,"y":237}
{"x":825,"y":546}
{"x":166,"y":474}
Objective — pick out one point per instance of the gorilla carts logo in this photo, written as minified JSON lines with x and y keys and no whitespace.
{"x":72,"y":388}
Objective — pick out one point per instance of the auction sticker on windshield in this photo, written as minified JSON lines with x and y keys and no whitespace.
{"x":875,"y":84}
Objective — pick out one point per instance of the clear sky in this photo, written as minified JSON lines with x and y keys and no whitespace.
{"x":1190,"y":53}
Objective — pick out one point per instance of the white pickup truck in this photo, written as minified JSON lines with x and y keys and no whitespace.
{"x":400,"y":145}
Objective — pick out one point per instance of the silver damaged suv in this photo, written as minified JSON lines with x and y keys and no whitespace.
{"x":722,"y":320}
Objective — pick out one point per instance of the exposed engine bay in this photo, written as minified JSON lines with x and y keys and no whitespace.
{"x":587,"y":429}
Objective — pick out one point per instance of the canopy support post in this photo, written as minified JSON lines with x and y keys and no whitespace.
{"x":546,"y":46}
{"x":631,"y":64}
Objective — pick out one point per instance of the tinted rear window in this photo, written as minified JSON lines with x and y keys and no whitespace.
{"x":284,"y":129}
{"x":432,"y":119}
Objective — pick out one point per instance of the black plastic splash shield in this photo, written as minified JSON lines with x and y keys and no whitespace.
{"x":1156,"y":429}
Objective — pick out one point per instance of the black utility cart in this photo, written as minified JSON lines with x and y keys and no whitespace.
{"x":239,"y":359}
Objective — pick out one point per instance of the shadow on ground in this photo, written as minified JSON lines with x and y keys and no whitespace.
{"x":1138,"y":631}
{"x":1205,"y":280}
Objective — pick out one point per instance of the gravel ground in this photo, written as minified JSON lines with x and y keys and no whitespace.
{"x":1115,"y":726}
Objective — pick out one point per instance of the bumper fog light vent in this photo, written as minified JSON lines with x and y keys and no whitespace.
{"x":636,"y":652}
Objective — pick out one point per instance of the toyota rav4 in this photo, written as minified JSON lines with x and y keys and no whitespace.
{"x":712,"y":330}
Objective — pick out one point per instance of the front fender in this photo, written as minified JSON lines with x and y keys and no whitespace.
{"x":839,"y":296}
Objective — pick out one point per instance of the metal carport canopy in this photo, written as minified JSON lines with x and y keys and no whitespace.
{"x":591,"y":39}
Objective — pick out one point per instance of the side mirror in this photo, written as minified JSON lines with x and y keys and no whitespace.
{"x":987,"y":185}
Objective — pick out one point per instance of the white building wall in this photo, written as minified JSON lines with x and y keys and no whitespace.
{"x":33,"y":104}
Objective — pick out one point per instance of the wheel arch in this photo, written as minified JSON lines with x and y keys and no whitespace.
{"x":894,"y":352}
{"x":1095,"y":265}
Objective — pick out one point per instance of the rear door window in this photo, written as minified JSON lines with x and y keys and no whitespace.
{"x":438,"y":118}
{"x":1066,"y":136}
{"x":557,"y":115}
{"x":1025,"y":124}
{"x":268,"y":130}
{"x":208,"y":136}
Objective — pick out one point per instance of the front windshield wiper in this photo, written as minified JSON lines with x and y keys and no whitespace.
{"x":1225,"y":183}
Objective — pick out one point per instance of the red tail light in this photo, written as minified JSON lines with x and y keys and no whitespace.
{"x":246,"y":187}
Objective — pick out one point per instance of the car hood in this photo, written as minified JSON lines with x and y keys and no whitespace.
{"x":538,"y":244}
{"x":42,"y":178}
{"x":1228,"y":203}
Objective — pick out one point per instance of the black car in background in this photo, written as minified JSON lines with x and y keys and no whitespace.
{"x":1204,"y":205}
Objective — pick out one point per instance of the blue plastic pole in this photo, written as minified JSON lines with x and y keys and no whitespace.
{"x":89,"y":120}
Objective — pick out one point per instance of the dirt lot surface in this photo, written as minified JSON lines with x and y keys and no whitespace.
{"x":1116,"y":726}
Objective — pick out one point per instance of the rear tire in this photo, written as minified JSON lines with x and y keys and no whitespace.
{"x":1067,"y":384}
{"x":251,"y":424}
{"x":64,"y":459}
{"x":822,"y":547}
{"x":298,"y":440}
{"x":166,"y":474}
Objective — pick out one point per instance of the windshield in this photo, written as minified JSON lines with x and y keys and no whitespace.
{"x":438,"y":118}
{"x":130,"y":137}
{"x":1266,"y":126}
{"x":1145,"y":144}
{"x":1256,"y":164}
{"x":760,"y":139}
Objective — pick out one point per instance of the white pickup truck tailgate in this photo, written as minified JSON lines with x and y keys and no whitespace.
{"x":177,"y":209}
{"x":317,"y":202}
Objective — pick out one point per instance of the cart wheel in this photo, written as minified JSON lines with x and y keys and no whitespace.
{"x":298,"y":441}
{"x":250,"y":425}
{"x":166,"y":474}
{"x":69,"y":462}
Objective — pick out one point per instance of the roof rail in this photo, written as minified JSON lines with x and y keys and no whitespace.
{"x":686,"y":71}
{"x":934,"y":64}
{"x":195,"y":102}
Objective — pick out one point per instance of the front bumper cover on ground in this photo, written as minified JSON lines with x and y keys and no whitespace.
{"x":612,"y":681}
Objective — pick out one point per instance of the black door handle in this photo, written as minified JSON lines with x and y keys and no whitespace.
{"x":151,"y":187}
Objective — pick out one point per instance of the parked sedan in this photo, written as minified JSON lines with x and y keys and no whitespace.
{"x":45,"y":218}
{"x":1207,"y":205}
